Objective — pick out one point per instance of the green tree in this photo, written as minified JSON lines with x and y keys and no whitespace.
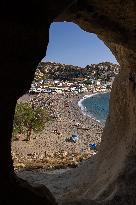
{"x":29,"y":118}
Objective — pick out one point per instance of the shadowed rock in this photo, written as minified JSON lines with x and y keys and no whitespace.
{"x":23,"y":42}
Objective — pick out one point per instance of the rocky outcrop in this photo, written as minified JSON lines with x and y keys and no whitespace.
{"x":58,"y":71}
{"x":23,"y":41}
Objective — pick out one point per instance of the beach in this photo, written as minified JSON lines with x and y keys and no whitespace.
{"x":52,"y":148}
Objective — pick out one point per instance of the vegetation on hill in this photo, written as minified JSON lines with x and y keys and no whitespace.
{"x":57,"y":71}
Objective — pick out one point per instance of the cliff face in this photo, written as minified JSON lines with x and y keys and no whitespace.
{"x":23,"y":40}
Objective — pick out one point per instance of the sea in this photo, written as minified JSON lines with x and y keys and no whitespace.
{"x":96,"y":106}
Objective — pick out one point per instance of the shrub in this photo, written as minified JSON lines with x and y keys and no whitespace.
{"x":29,"y":118}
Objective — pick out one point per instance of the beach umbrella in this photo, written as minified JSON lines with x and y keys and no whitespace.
{"x":92,"y":146}
{"x":75,"y":138}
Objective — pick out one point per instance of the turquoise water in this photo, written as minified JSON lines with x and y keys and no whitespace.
{"x":97,"y":106}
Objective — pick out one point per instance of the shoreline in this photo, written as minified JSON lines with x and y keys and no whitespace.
{"x":83,"y":108}
{"x":51,"y":150}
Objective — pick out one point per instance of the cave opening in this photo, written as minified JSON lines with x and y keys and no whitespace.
{"x":73,"y":84}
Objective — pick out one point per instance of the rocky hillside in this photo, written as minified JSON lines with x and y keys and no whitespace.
{"x":56,"y":71}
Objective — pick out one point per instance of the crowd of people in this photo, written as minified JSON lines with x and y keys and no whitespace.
{"x":51,"y":147}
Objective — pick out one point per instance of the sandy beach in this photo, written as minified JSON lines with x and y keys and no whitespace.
{"x":52,"y":148}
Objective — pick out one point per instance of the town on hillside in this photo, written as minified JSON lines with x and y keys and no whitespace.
{"x":59,"y":78}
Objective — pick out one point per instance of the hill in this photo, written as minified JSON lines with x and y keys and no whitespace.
{"x":104,"y":71}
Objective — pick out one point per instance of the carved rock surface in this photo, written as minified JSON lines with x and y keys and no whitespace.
{"x":23,"y":41}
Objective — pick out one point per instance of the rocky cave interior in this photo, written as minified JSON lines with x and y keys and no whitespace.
{"x":110,"y":177}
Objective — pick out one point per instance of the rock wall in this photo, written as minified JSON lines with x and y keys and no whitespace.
{"x":23,"y":41}
{"x":112,"y":172}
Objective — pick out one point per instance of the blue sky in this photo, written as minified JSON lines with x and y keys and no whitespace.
{"x":69,"y":44}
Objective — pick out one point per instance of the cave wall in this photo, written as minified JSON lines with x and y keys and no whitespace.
{"x":23,"y":43}
{"x":114,"y":22}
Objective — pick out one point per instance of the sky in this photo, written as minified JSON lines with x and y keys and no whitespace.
{"x":69,"y":44}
